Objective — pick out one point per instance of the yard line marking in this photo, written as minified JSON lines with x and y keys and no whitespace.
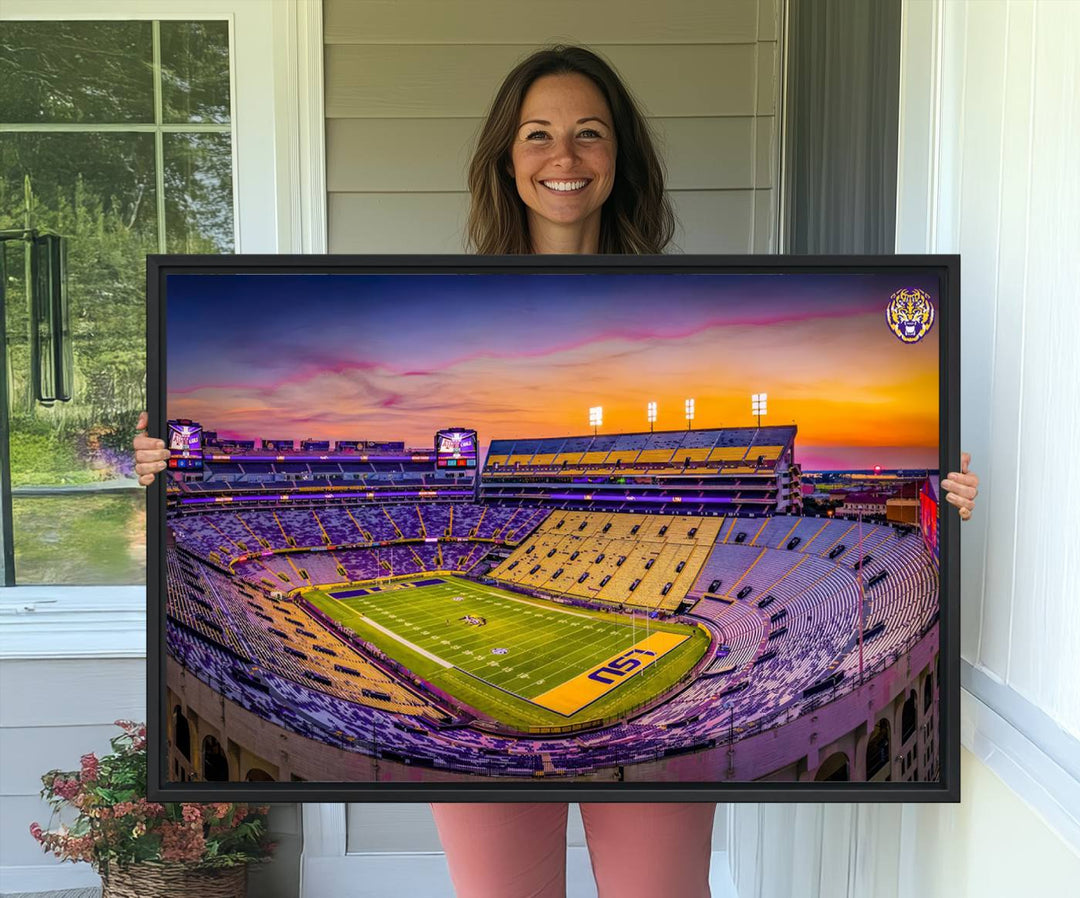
{"x":552,"y":606}
{"x":401,"y":639}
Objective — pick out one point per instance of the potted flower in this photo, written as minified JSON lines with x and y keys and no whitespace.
{"x":142,"y":848}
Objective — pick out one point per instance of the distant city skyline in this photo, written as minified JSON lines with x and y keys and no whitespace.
{"x":397,"y":357}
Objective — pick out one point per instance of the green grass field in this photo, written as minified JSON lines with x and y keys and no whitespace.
{"x":546,"y":645}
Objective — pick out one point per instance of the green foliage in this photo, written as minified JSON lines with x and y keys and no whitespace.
{"x":42,"y":458}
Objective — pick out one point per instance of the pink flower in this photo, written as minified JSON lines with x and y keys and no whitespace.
{"x":180,"y":842}
{"x":36,"y":832}
{"x":192,"y":813}
{"x":79,"y":848}
{"x":89,"y":767}
{"x":150,"y":808}
{"x":65,"y":788}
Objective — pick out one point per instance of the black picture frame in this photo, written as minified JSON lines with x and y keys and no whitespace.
{"x":947,"y":789}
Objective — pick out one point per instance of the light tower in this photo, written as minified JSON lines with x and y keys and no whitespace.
{"x":760,"y":405}
{"x":596,"y":417}
{"x":652,"y":415}
{"x":689,"y":414}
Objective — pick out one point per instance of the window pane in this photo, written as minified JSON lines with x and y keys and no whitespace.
{"x":98,"y":191}
{"x":76,"y":72}
{"x":195,"y":72}
{"x":79,"y":518}
{"x":198,"y":193}
{"x":81,"y":539}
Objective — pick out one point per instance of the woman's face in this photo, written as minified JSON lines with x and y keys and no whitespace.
{"x":563,"y":154}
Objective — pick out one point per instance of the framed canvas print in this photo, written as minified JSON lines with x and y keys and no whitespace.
{"x":553,"y":528}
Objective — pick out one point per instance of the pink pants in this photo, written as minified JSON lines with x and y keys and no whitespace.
{"x":501,"y":850}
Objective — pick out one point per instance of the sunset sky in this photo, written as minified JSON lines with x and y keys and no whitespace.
{"x":397,"y":357}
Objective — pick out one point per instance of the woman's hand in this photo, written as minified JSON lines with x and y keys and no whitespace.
{"x":150,"y":454}
{"x":961,"y":488}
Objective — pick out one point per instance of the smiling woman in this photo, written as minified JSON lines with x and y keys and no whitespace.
{"x":565,"y":164}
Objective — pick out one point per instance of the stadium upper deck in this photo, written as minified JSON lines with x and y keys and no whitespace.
{"x":737,"y":470}
{"x":731,"y":450}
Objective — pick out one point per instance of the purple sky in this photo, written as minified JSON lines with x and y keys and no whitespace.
{"x":397,"y":357}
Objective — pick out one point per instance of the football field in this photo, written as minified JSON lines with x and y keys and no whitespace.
{"x":523,"y":661}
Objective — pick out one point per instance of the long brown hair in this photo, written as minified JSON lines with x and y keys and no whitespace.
{"x":637,"y":216}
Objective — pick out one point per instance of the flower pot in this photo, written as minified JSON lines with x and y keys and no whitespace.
{"x":171,"y":880}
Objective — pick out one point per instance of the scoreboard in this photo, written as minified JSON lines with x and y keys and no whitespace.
{"x":279,"y":445}
{"x":369,"y":446}
{"x":455,"y":449}
{"x":185,"y":445}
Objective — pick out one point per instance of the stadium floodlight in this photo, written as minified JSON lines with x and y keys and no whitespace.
{"x":596,"y":417}
{"x":689,"y":413}
{"x":652,"y":415}
{"x":760,"y":405}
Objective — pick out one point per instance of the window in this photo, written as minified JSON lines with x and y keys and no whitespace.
{"x":117,"y":136}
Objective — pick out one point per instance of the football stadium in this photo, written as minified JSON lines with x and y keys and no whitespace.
{"x":639,"y":606}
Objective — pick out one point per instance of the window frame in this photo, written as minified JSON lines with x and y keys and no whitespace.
{"x":276,"y":59}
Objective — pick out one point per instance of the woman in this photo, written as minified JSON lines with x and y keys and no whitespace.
{"x":565,"y":164}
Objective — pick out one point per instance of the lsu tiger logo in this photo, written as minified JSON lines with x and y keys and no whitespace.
{"x":910,"y":314}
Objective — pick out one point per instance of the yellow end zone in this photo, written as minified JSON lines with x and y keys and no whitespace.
{"x":573,"y":695}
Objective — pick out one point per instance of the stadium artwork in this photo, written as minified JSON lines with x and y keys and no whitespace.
{"x":559,"y":528}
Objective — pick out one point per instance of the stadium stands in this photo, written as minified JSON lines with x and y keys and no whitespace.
{"x":796,"y":624}
{"x":653,"y":547}
{"x":819,"y":595}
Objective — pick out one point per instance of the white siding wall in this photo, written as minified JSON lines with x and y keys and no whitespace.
{"x":408,"y":82}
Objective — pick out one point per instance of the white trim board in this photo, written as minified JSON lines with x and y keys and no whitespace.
{"x":301,"y":131}
{"x":41,"y":622}
{"x":1049,"y":788}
